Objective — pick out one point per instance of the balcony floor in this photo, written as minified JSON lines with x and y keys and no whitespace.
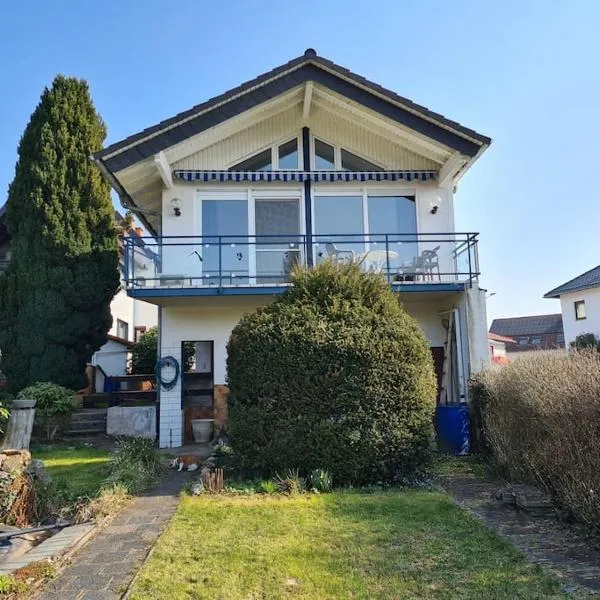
{"x":270,"y":290}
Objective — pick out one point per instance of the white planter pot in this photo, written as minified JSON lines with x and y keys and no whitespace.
{"x":202,"y":430}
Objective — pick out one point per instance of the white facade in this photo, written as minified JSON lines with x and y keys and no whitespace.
{"x":386,"y":223}
{"x":590,"y":323}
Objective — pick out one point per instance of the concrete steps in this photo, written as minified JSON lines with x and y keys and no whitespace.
{"x":88,"y":421}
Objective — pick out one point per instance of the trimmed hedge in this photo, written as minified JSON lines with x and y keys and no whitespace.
{"x":539,"y":420}
{"x":334,"y":374}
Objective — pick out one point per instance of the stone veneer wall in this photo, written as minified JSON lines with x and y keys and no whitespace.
{"x":221,"y":394}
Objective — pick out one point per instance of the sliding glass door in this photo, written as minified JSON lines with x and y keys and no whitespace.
{"x":339,"y":227}
{"x":225,"y":259}
{"x":278,"y":243}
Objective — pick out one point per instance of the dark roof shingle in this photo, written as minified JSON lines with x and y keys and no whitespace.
{"x":533,"y":325}
{"x":587,"y":280}
{"x":308,"y":67}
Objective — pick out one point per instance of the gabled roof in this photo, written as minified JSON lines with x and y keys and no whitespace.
{"x":308,"y":67}
{"x":500,"y":338}
{"x":533,"y":325}
{"x":589,"y":279}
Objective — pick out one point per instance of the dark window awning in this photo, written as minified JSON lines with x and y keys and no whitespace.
{"x":317,"y":176}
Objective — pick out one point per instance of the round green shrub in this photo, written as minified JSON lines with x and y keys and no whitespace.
{"x":53,"y":406}
{"x":335,"y":375}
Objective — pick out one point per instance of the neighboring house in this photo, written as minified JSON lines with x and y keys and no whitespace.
{"x":538,"y":332}
{"x":497,"y":345}
{"x":306,"y":163}
{"x":131,"y":317}
{"x":579,"y":304}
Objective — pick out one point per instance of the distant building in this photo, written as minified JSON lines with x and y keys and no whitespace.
{"x":580,"y":304}
{"x":538,"y":332}
{"x":497,"y":344}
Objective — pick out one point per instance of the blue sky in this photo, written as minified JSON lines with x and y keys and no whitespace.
{"x":525,"y":73}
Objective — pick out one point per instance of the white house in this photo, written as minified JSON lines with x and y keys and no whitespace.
{"x":305,"y":163}
{"x":579,"y":304}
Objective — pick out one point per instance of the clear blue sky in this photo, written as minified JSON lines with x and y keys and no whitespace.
{"x":525,"y":73}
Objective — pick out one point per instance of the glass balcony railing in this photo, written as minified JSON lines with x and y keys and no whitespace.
{"x":221,"y":261}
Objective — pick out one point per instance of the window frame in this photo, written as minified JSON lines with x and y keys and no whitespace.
{"x":138,"y":331}
{"x":576,"y":305}
{"x":274,"y":148}
{"x":120,"y":324}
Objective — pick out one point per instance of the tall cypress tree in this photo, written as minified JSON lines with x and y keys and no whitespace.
{"x":55,"y":294}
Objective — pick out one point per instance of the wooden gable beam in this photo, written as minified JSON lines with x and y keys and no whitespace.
{"x":450,"y":168}
{"x":164,"y":169}
{"x":308,"y":92}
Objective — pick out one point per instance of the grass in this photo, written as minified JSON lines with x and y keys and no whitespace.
{"x":81,"y":470}
{"x":396,"y":544}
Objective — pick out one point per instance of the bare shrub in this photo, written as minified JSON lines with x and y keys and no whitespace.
{"x":540,"y":417}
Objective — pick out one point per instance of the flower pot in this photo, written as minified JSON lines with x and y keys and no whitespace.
{"x":202,"y":430}
{"x":22,"y":403}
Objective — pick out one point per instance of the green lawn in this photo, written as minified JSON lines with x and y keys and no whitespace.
{"x":81,"y":470}
{"x":403,"y":544}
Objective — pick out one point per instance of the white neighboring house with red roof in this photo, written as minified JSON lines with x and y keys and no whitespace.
{"x":497,"y":343}
{"x":579,"y":304}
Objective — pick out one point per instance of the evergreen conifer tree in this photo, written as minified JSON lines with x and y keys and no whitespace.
{"x":55,"y":294}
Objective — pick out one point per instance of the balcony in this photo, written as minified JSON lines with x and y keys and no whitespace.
{"x":232,"y":265}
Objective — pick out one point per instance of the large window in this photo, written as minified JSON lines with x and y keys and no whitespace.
{"x":228,"y":218}
{"x":394,"y":215}
{"x":339,"y":225}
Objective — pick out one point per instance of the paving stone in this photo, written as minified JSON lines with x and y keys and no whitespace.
{"x":562,"y":548}
{"x":104,"y":568}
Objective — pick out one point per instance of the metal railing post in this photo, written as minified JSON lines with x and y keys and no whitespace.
{"x":126,"y":265}
{"x":469,"y":255}
{"x":387,"y":258}
{"x":220,"y":242}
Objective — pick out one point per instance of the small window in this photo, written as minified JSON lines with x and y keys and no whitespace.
{"x":324,"y":155}
{"x":122,"y":329}
{"x":523,"y":341}
{"x":258,"y":162}
{"x":288,"y":155}
{"x":351,"y":162}
{"x":536,"y":341}
{"x":579,"y":310}
{"x":138,"y":331}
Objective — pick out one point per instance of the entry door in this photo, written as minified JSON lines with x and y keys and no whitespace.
{"x":278,"y":242}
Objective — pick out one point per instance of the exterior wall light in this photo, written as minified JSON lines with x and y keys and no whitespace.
{"x":176,"y":204}
{"x":434,"y":205}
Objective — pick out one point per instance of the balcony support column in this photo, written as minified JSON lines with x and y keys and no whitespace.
{"x":307,"y":195}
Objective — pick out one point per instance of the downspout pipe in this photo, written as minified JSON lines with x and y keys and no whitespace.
{"x":125,"y":199}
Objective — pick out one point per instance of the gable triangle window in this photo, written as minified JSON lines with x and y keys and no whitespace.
{"x":281,"y":156}
{"x":329,"y":157}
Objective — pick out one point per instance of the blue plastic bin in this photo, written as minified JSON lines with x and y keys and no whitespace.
{"x":452,"y":426}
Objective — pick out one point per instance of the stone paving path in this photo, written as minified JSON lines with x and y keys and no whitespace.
{"x":104,"y":568}
{"x":566,"y":552}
